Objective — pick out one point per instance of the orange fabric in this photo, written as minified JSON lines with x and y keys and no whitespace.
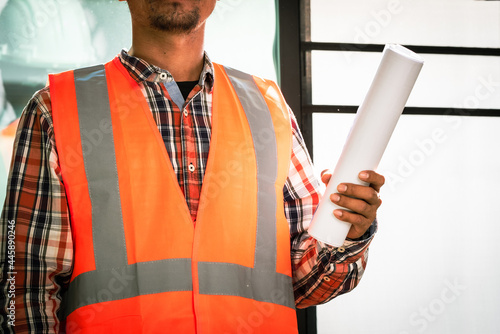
{"x":156,"y":219}
{"x":230,"y":315}
{"x":147,"y":175}
{"x":140,"y":314}
{"x":230,"y":179}
{"x":69,"y":148}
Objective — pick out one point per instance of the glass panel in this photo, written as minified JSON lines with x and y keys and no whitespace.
{"x":41,"y":37}
{"x":234,"y":38}
{"x":424,"y":22}
{"x":446,"y":81}
{"x":432,"y":262}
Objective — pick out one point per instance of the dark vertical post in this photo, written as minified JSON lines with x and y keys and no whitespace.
{"x":288,"y":37}
{"x":294,"y":72}
{"x":306,"y":86}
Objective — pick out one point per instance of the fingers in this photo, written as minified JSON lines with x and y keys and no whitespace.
{"x":326,"y":176}
{"x":375,"y":180}
{"x":352,"y":192}
{"x":361,"y":202}
{"x":359,"y":223}
{"x":358,"y":212}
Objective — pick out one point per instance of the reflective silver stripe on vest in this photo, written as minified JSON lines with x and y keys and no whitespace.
{"x":133,"y":280}
{"x":98,"y":152}
{"x":113,"y":278}
{"x":261,"y":283}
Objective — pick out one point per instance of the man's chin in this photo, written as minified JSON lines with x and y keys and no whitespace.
{"x":174,"y":19}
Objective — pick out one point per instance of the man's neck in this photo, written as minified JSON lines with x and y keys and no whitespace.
{"x":180,"y":54}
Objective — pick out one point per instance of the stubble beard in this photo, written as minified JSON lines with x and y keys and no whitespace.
{"x":175,"y":20}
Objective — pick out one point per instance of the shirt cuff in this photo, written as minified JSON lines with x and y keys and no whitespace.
{"x":350,"y":247}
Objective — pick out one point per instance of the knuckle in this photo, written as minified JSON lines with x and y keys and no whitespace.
{"x":369,"y":193}
{"x":364,"y":207}
{"x":356,"y":219}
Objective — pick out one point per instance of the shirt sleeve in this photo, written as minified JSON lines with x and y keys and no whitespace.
{"x":320,"y":272}
{"x":38,"y":268}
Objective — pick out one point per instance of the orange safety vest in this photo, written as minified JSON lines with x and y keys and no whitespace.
{"x":140,"y":264}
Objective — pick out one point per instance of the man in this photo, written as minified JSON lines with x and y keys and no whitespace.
{"x":115,"y":233}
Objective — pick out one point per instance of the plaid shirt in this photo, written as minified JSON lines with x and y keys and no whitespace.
{"x":36,"y":207}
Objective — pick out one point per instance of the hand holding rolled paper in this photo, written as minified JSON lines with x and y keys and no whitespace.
{"x":375,"y":121}
{"x":359,"y":203}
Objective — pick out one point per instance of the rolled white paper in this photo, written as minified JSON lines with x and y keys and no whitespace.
{"x":375,"y":121}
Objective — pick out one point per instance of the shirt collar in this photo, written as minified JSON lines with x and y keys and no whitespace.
{"x":140,"y":70}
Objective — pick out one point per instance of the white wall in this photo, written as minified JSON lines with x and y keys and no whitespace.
{"x":432,"y":266}
{"x":438,"y":228}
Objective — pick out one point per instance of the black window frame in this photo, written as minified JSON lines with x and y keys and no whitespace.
{"x":294,"y":47}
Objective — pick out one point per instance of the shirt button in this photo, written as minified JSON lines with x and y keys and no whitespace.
{"x":341,"y":249}
{"x":163,"y":76}
{"x":191,"y":168}
{"x":326,"y":279}
{"x":185,"y":112}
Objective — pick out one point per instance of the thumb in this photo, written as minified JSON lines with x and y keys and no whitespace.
{"x":326,"y":175}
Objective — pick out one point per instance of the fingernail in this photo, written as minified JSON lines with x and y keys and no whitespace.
{"x":335,"y":197}
{"x":363,"y":175}
{"x":342,"y":188}
{"x":338,"y":213}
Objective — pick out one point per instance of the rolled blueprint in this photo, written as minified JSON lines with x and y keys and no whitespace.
{"x":373,"y":125}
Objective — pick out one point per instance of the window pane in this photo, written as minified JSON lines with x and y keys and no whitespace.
{"x":446,"y":81}
{"x":234,"y":38}
{"x":432,"y":263}
{"x":468,"y":23}
{"x":41,"y":37}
